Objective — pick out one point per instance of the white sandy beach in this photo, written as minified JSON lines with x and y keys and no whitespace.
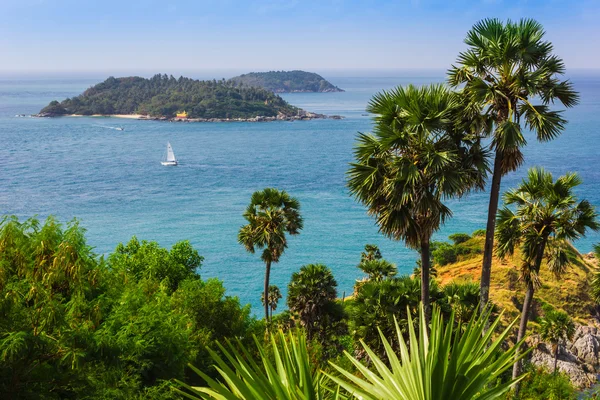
{"x":130,"y":116}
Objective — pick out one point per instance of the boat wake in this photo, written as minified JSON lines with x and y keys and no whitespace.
{"x":115,"y":128}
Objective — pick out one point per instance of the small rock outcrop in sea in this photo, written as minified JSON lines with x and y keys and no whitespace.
{"x":578,"y":358}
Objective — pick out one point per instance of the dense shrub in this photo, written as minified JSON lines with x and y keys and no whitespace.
{"x":74,"y":326}
{"x":541,"y":384}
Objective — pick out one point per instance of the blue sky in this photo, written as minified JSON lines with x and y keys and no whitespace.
{"x":173,"y":36}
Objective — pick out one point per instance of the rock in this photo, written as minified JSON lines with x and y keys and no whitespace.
{"x":586,"y":345}
{"x":579,"y":358}
{"x":568,"y":364}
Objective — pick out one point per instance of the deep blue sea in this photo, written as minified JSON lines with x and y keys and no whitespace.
{"x":113,"y":182}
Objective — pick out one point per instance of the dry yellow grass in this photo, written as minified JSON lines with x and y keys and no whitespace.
{"x":571,"y":293}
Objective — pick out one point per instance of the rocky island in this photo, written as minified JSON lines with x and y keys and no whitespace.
{"x":165,"y":97}
{"x":286,"y":82}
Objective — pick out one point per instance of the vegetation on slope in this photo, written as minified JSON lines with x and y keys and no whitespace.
{"x":571,"y":294}
{"x":286,"y":81}
{"x":165,"y":96}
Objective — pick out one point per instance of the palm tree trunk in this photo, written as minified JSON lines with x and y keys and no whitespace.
{"x":522,"y":329}
{"x":488,"y":250}
{"x":541,"y":248}
{"x":556,"y":356}
{"x":267,"y":276}
{"x":425,"y":267}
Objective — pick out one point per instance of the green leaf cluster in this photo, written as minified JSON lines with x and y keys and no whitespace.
{"x":75,"y":325}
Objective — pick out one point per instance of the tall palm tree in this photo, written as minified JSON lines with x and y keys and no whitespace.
{"x":506,"y":66}
{"x":547,"y":215}
{"x":273,"y":299}
{"x":416,"y":158}
{"x":271,"y":214}
{"x":556,"y":326}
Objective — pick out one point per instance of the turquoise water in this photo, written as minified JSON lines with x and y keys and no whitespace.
{"x":113,"y":181}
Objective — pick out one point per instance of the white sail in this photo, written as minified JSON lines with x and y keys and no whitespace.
{"x":170,"y":154}
{"x":170,"y":159}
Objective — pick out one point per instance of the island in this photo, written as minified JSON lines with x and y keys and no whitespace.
{"x":286,"y":82}
{"x":165,"y":97}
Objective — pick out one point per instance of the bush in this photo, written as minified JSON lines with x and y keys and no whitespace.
{"x":459,"y":238}
{"x":479,"y":233}
{"x":541,"y":384}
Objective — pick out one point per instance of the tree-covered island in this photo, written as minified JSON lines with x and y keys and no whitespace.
{"x":286,"y":82}
{"x":167,"y":97}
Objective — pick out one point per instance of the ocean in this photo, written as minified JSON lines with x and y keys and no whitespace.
{"x":113,"y":183}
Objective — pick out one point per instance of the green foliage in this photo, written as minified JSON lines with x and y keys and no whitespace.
{"x":442,"y":364}
{"x":547,"y":215}
{"x":377,"y":303}
{"x":478,"y":233}
{"x":444,"y":253}
{"x":463,"y":298}
{"x":73,"y":326}
{"x":505,"y":66}
{"x":149,"y":260}
{"x":164,"y":96}
{"x":596,"y":280}
{"x":459,"y":238}
{"x":286,"y":81}
{"x":273,"y":300}
{"x":312,"y":301}
{"x":416,"y":153}
{"x":371,"y":252}
{"x":418,"y":158}
{"x":285,"y":375}
{"x":540,"y":384}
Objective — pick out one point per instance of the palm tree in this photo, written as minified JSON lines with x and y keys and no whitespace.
{"x":416,"y":159}
{"x":273,"y":300}
{"x":271,"y":214}
{"x":311,"y":296}
{"x":556,"y":326}
{"x":378,"y":270}
{"x":371,"y":252}
{"x":505,"y":67}
{"x":547,"y":216}
{"x":440,"y":365}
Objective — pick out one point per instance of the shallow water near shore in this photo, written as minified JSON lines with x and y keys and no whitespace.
{"x":113,"y":182}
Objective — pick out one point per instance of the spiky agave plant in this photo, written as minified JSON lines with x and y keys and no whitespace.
{"x":443,"y":364}
{"x":286,"y":374}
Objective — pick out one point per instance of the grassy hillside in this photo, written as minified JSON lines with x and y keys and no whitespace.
{"x":571,"y":293}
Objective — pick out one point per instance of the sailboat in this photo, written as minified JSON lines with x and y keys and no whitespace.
{"x":170,"y":160}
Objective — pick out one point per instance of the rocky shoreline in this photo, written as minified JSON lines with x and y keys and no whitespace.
{"x":306,"y":116}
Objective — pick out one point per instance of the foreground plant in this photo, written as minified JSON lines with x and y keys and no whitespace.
{"x":444,"y":364}
{"x":286,"y":375}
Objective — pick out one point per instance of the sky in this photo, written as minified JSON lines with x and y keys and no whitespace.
{"x":187,"y":35}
